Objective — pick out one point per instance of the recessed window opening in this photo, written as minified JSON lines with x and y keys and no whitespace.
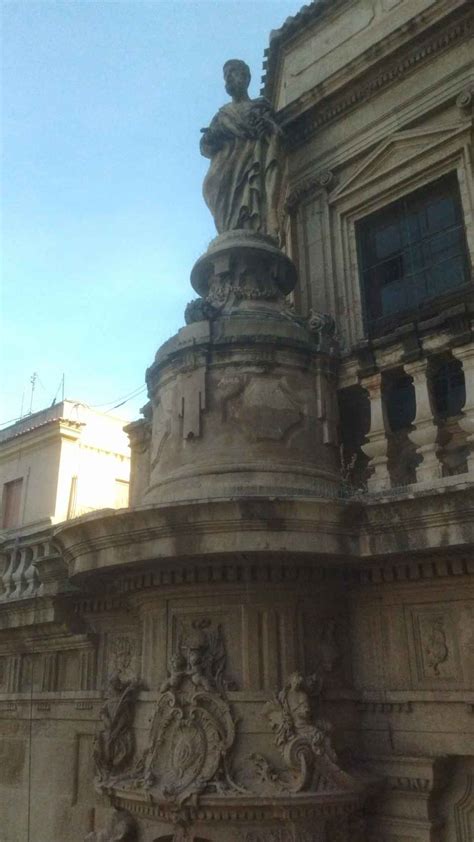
{"x":11,"y":503}
{"x":412,"y":251}
{"x":449,"y":389}
{"x":400,"y":403}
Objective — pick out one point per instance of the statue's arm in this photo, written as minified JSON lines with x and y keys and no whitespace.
{"x":266,"y":123}
{"x":213,"y":138}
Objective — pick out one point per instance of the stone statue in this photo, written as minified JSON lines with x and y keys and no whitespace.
{"x":243,"y":142}
{"x":304,"y":741}
{"x":292,"y":716}
{"x":115,"y":744}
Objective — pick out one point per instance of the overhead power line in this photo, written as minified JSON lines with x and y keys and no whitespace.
{"x":123,"y":398}
{"x":117,"y":402}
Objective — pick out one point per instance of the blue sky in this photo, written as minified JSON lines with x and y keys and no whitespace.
{"x":102,"y":213}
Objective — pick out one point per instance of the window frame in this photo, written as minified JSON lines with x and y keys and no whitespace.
{"x":406,"y":160}
{"x":19,"y":481}
{"x":373,"y":326}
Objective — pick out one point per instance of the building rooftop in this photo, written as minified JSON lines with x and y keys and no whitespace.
{"x":293,"y":24}
{"x":71,"y":411}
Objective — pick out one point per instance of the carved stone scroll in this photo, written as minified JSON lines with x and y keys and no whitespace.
{"x":304,"y":742}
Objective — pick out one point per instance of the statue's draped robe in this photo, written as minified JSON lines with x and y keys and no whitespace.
{"x":242,"y":184}
{"x":115,"y":743}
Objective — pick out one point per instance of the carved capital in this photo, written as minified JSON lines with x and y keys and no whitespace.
{"x":324,"y":180}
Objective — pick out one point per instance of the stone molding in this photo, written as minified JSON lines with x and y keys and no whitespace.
{"x":300,"y":128}
{"x":389,"y":156}
{"x":335,"y":528}
{"x":243,"y":809}
{"x":439,"y":566}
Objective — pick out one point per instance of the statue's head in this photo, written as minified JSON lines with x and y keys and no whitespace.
{"x":115,"y":682}
{"x":236,"y":77}
{"x":296,"y":681}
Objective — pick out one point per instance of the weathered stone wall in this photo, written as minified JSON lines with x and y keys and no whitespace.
{"x":370,"y":587}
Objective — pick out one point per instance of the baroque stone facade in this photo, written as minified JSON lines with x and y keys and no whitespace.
{"x":275,"y":642}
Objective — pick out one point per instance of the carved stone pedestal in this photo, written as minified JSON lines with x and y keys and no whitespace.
{"x":238,"y":500}
{"x":242,"y":396}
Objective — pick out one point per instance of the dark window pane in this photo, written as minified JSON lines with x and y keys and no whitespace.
{"x":443,"y":245}
{"x":418,"y":288}
{"x":445,"y":276}
{"x":393,"y":298}
{"x":440,"y":214}
{"x":413,"y":250}
{"x":390,"y":270}
{"x":417,"y":257}
{"x":387,"y":241}
{"x":412,"y":227}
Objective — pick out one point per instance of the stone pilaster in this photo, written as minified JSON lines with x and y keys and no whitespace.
{"x":465,"y":353}
{"x":407,"y":806}
{"x":87,"y":672}
{"x":376,"y":447}
{"x":425,"y":433}
{"x":50,"y":671}
{"x":14,"y":674}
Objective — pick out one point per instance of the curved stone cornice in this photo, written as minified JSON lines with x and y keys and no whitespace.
{"x":173,"y":537}
{"x":207,"y":530}
{"x":245,"y":809}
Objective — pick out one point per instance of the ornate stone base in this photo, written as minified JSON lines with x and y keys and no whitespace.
{"x":243,"y":398}
{"x":226,"y":819}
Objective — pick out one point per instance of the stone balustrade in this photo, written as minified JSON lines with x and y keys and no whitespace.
{"x":465,"y":353}
{"x":425,"y":433}
{"x":29,"y":567}
{"x":376,"y":447}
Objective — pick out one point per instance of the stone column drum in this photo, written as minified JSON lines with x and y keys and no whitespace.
{"x":237,"y":400}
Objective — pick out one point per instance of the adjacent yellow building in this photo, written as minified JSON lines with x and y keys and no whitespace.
{"x":60,"y":463}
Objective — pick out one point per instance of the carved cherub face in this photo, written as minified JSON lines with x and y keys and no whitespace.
{"x":236,"y":77}
{"x":296,"y":681}
{"x":178,"y":662}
